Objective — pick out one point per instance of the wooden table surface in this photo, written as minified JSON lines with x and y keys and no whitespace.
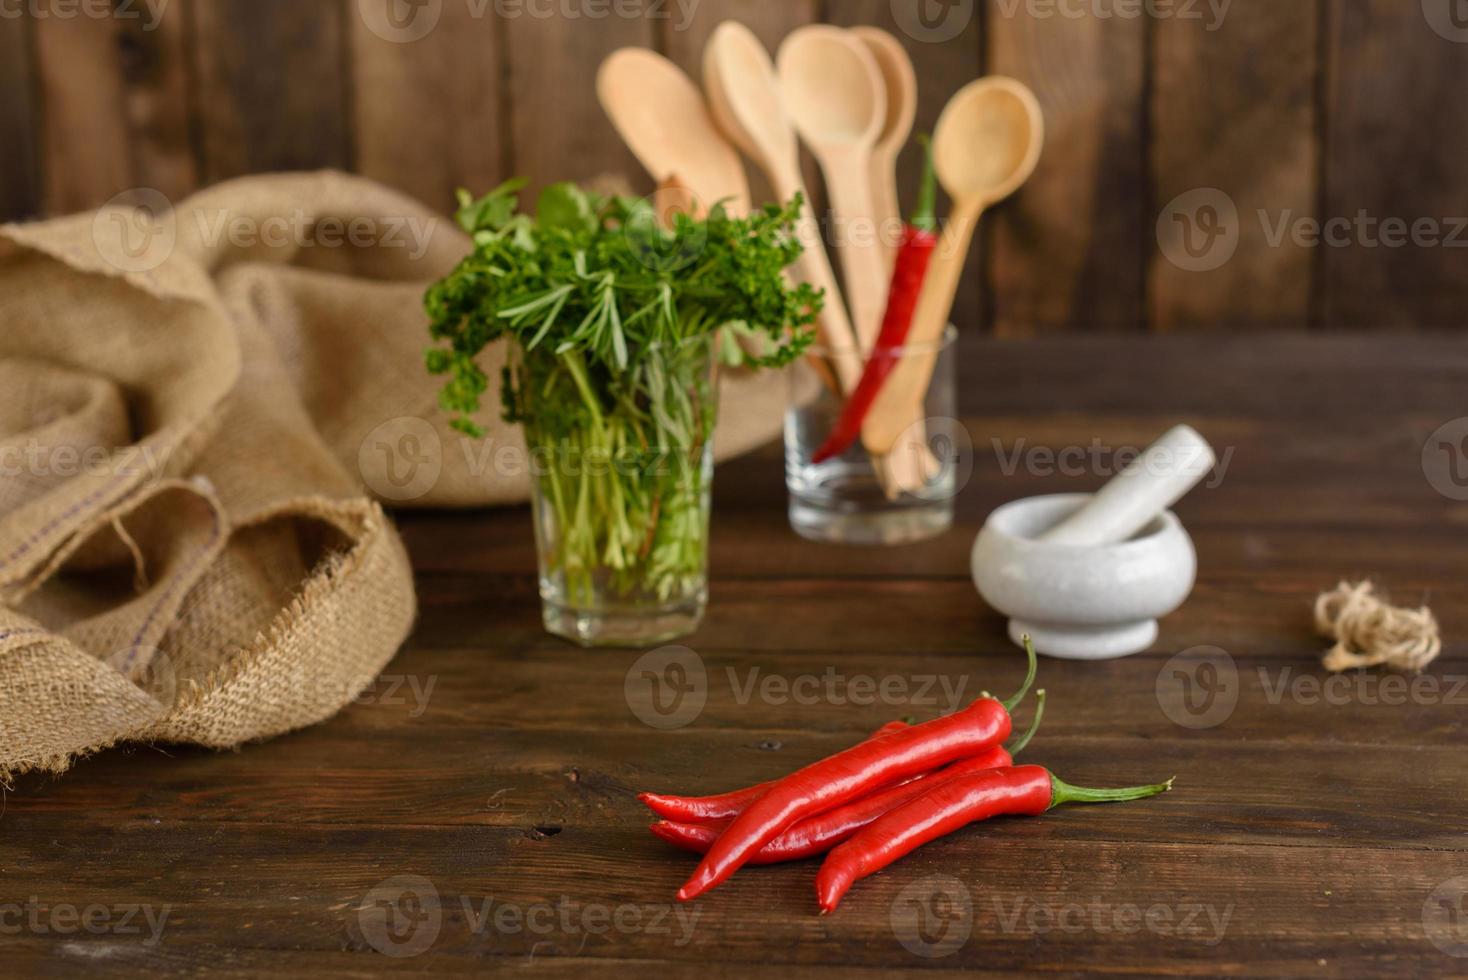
{"x":492,"y":772}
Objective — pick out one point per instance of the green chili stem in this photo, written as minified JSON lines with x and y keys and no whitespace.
{"x":1063,"y":792}
{"x":1018,"y":696}
{"x":1034,"y":724}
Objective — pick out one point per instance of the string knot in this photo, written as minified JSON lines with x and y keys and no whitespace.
{"x":1369,"y":631}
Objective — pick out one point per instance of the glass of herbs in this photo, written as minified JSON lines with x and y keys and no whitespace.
{"x":618,"y":323}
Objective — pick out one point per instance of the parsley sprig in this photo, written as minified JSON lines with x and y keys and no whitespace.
{"x":597,"y":276}
{"x":615,"y":321}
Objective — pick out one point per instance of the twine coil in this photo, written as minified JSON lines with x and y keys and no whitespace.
{"x":1369,"y":631}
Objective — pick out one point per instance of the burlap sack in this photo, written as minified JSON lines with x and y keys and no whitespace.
{"x":199,"y":414}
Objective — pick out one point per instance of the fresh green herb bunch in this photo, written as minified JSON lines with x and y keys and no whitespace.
{"x":597,"y":276}
{"x":616,"y":322}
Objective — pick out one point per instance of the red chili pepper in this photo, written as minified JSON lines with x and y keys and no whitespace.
{"x":851,"y":774}
{"x":818,"y":834}
{"x":919,"y":241}
{"x":947,"y":806}
{"x":723,"y":805}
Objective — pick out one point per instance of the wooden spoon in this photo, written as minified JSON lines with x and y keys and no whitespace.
{"x":901,"y":84}
{"x":744,"y":96}
{"x":911,"y":463}
{"x":661,"y":115}
{"x":986,"y":145}
{"x":837,"y":99}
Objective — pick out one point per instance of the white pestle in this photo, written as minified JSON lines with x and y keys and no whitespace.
{"x":1146,"y":488}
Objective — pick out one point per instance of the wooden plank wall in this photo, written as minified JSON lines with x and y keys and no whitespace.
{"x":1264,"y":115}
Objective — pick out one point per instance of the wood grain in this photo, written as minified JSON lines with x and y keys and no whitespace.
{"x":1234,"y":110}
{"x":272,"y":88}
{"x":20,"y":166}
{"x":770,"y":22}
{"x":1398,"y":131}
{"x":115,"y":86}
{"x":1062,"y":248}
{"x":1311,"y":827}
{"x":449,"y":84}
{"x":559,"y":130}
{"x":942,"y":69}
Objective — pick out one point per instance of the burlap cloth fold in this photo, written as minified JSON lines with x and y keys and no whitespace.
{"x":201,"y":406}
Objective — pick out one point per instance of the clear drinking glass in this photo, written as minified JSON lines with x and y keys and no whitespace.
{"x":855,"y":498}
{"x":621,"y":471}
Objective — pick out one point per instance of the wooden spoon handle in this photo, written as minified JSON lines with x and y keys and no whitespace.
{"x":887,"y":209}
{"x":832,"y":326}
{"x":903,"y":393}
{"x":849,"y":181}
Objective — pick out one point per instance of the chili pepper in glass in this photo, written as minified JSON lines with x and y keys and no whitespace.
{"x":818,"y":834}
{"x":947,"y":806}
{"x":854,"y":773}
{"x":919,"y":240}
